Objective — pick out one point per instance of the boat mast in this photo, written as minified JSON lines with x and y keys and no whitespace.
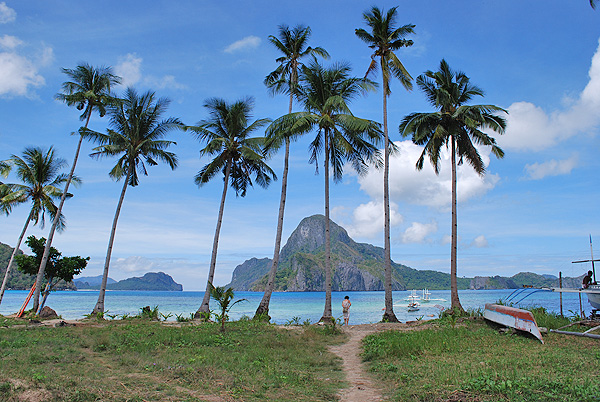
{"x":592,"y":252}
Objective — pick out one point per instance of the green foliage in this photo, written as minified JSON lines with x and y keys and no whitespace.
{"x":224,"y":298}
{"x":147,"y":313}
{"x":57,"y":268}
{"x":293,"y":321}
{"x":550,"y":320}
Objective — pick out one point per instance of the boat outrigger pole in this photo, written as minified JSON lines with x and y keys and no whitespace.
{"x":592,"y":260}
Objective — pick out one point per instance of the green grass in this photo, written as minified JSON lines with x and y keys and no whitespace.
{"x":473,"y":362}
{"x":125,"y":360}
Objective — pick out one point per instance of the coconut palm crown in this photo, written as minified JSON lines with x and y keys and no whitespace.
{"x":455,"y":125}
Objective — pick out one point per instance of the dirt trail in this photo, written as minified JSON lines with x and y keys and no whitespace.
{"x":361,"y":388}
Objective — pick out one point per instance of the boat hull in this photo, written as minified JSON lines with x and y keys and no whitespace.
{"x":594,"y":298}
{"x":512,"y":317}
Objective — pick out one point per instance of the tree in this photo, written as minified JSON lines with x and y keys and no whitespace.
{"x":237,"y":156}
{"x":39,"y":171}
{"x":593,"y":4}
{"x":284,"y":79}
{"x":341,"y":137}
{"x":58,"y":267}
{"x":385,"y":38}
{"x":89,"y":91}
{"x":136,"y":134}
{"x":223,"y":297}
{"x":455,"y":125}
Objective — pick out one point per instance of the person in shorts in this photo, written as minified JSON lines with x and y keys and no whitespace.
{"x":346,"y":309}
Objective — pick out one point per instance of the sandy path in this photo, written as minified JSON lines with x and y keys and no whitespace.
{"x":361,"y":388}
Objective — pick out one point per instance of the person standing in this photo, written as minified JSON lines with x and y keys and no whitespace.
{"x":587,"y":280}
{"x":346,"y":309}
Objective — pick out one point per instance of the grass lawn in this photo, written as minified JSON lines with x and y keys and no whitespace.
{"x":472,"y":361}
{"x":140,"y":360}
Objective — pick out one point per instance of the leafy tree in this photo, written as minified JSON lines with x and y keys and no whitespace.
{"x":223,"y":297}
{"x":58,"y":267}
{"x":341,"y":137}
{"x":284,"y":79}
{"x":136,"y":134}
{"x":457,"y":126}
{"x":39,"y":171}
{"x":237,"y":156}
{"x":89,"y":91}
{"x":385,"y":38}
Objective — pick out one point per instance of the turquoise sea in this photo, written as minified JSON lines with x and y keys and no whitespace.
{"x":366,"y":306}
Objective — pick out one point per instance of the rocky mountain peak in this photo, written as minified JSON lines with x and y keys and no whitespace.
{"x":309,"y":236}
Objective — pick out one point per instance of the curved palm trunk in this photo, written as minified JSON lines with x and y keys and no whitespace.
{"x":204,"y":307}
{"x":99,"y":308}
{"x":453,"y":283}
{"x":388,"y":315}
{"x":327,"y":316}
{"x":12,"y":256}
{"x":45,"y":256}
{"x":263,"y":307}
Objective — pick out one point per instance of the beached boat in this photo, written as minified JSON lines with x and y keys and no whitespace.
{"x":512,"y":317}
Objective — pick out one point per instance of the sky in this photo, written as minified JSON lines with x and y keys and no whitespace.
{"x":533,"y":210}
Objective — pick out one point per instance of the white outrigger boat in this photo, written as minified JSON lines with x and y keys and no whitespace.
{"x":523,"y":319}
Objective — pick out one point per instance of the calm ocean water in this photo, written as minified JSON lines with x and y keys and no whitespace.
{"x":366,"y":306}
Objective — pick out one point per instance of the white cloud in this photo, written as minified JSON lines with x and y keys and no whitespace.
{"x":8,"y":42}
{"x":531,"y":128}
{"x":418,"y":232}
{"x":553,"y":167}
{"x":7,"y":14}
{"x":248,"y":43}
{"x":129,"y":68}
{"x":480,"y":242}
{"x":367,"y":219}
{"x":425,"y":187}
{"x":20,"y":73}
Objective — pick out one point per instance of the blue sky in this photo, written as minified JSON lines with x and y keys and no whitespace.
{"x":532,"y":211}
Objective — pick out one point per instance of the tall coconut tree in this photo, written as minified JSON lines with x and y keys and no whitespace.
{"x":455,"y":125}
{"x":39,"y":172}
{"x":385,"y":38}
{"x":88,"y":89}
{"x":136,"y":135}
{"x":237,"y":156}
{"x":324,"y":94}
{"x":284,"y":79}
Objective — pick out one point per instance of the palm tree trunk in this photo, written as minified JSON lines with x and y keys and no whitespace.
{"x":46,"y":254}
{"x":263,"y":307}
{"x":204,"y":307}
{"x":46,"y":293}
{"x":327,"y":316}
{"x":99,"y":308}
{"x":388,"y":315}
{"x":453,"y":283}
{"x":12,"y":256}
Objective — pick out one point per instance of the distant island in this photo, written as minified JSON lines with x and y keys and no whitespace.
{"x":150,"y":281}
{"x":358,"y":267}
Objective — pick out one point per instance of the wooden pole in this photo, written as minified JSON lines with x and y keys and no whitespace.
{"x":560,"y":286}
{"x":580,"y":306}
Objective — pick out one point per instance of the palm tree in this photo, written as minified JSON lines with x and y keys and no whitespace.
{"x":136,"y":135}
{"x":223,"y":297}
{"x":593,"y":4}
{"x":456,"y":125}
{"x":39,"y":170}
{"x":237,"y":156}
{"x":89,"y":91}
{"x":293,"y":45}
{"x":385,"y":38}
{"x":341,"y":136}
